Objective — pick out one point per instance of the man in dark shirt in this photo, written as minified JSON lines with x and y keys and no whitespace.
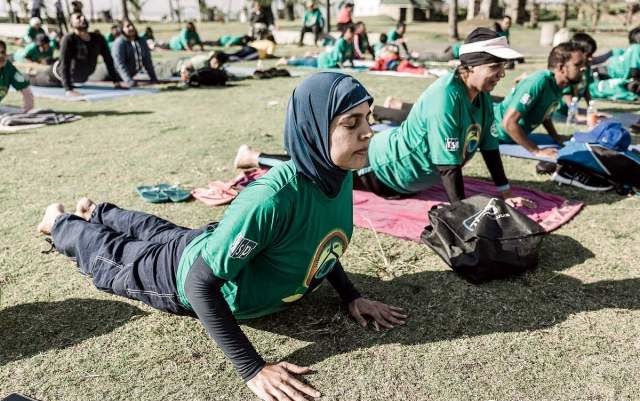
{"x":79,"y":53}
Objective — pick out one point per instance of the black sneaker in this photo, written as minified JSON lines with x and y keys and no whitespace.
{"x":580,"y":179}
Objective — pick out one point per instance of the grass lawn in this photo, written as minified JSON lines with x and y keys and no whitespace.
{"x":569,"y":330}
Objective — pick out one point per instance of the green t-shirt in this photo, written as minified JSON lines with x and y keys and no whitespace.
{"x":186,"y":38}
{"x":392,"y":36}
{"x":620,"y":65}
{"x":504,"y":33}
{"x":444,"y":127}
{"x":31,"y":34}
{"x":455,"y":50}
{"x":578,"y":90}
{"x":276,"y":242}
{"x":340,"y":52}
{"x":377,"y":48}
{"x":10,"y":76}
{"x":312,"y":17}
{"x":230,"y":40}
{"x":32,"y":53}
{"x":612,"y":89}
{"x":536,"y":97}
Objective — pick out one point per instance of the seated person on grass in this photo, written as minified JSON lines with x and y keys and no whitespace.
{"x":535,"y":98}
{"x":40,"y":52}
{"x":187,"y":39}
{"x":335,"y":57}
{"x":277,"y":241}
{"x":451,"y":120}
{"x":114,"y":33}
{"x":79,"y":53}
{"x":130,"y":55}
{"x":619,"y":76}
{"x":361,"y":43}
{"x":11,"y":77}
{"x":377,"y":48}
{"x":35,"y":29}
{"x":502,"y":28}
{"x":313,"y":22}
{"x":396,"y":35}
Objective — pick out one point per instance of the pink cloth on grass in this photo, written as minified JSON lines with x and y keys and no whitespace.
{"x":406,"y":218}
{"x":220,"y":193}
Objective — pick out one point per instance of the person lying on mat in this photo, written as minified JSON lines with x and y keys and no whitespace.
{"x":389,"y":60}
{"x":187,"y":39}
{"x":277,"y":241}
{"x":536,"y":97}
{"x":11,"y":77}
{"x":335,"y":57}
{"x":39,"y":52}
{"x":79,"y":53}
{"x":622,"y":67}
{"x":451,"y":120}
{"x":130,"y":55}
{"x":208,"y":66}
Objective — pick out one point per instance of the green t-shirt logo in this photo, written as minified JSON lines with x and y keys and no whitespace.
{"x":471,"y":141}
{"x":332,"y":246}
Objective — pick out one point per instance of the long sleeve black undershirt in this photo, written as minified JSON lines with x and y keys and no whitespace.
{"x":451,"y":175}
{"x":202,"y":289}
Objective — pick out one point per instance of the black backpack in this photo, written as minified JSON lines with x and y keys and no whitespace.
{"x":483,"y":238}
{"x":208,"y":77}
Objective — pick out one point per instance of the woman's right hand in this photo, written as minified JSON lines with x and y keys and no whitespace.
{"x":277,"y":382}
{"x":549,"y":153}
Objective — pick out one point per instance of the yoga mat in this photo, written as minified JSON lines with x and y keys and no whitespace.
{"x":406,"y":218}
{"x":515,"y":150}
{"x":7,"y":129}
{"x":90,"y":93}
{"x":246,"y":72}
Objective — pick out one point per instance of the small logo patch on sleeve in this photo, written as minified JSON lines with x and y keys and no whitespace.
{"x":453,"y":144}
{"x":241,"y":247}
{"x":525,"y":99}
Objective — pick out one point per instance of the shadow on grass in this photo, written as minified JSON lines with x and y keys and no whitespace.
{"x":109,"y":113}
{"x":29,"y":329}
{"x":444,"y":307}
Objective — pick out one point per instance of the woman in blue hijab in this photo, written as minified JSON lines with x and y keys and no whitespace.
{"x":276,"y":243}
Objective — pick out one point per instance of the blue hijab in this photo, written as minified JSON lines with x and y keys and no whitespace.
{"x":312,"y":107}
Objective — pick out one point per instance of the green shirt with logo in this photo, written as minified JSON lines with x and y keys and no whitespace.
{"x":536,"y":97}
{"x":184,"y":40}
{"x":33,"y":53}
{"x":276,"y":242}
{"x":444,"y":127}
{"x":11,"y":77}
{"x":339,"y":53}
{"x":620,"y":64}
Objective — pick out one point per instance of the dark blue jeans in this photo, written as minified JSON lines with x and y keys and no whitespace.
{"x":127,"y":253}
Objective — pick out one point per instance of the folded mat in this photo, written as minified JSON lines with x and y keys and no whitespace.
{"x":162,"y":193}
{"x":406,"y":218}
{"x":90,"y":92}
{"x":13,"y":119}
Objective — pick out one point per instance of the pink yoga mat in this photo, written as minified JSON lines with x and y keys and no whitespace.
{"x":406,"y":218}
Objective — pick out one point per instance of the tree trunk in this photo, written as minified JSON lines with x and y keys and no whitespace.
{"x":564,"y":14}
{"x":472,"y":9}
{"x":535,"y":15}
{"x":487,"y":8}
{"x":597,"y":13}
{"x":516,"y":10}
{"x":453,"y":20}
{"x":125,"y":10}
{"x":328,"y":16}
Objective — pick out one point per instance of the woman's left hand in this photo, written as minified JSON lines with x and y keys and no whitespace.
{"x":383,"y":315}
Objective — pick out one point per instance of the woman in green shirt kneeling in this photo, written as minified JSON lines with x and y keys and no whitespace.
{"x":276,"y":243}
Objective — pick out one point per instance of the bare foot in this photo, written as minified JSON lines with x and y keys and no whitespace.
{"x":393,"y":103}
{"x":51,"y":213}
{"x":85,"y":208}
{"x":282,"y":61}
{"x":246,"y":158}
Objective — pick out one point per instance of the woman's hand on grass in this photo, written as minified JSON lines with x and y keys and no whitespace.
{"x":278,"y":383}
{"x":382,"y":314}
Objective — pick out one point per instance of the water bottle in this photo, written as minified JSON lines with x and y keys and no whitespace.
{"x":592,"y":115}
{"x":572,"y":113}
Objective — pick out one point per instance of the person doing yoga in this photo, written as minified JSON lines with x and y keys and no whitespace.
{"x":278,"y":240}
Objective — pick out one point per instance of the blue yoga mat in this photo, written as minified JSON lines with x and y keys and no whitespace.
{"x":542,"y":140}
{"x":90,"y":93}
{"x":382,"y":127}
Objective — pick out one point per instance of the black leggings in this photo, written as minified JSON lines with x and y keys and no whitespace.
{"x":363,"y":181}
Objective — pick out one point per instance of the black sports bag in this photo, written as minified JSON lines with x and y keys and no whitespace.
{"x":483,"y":238}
